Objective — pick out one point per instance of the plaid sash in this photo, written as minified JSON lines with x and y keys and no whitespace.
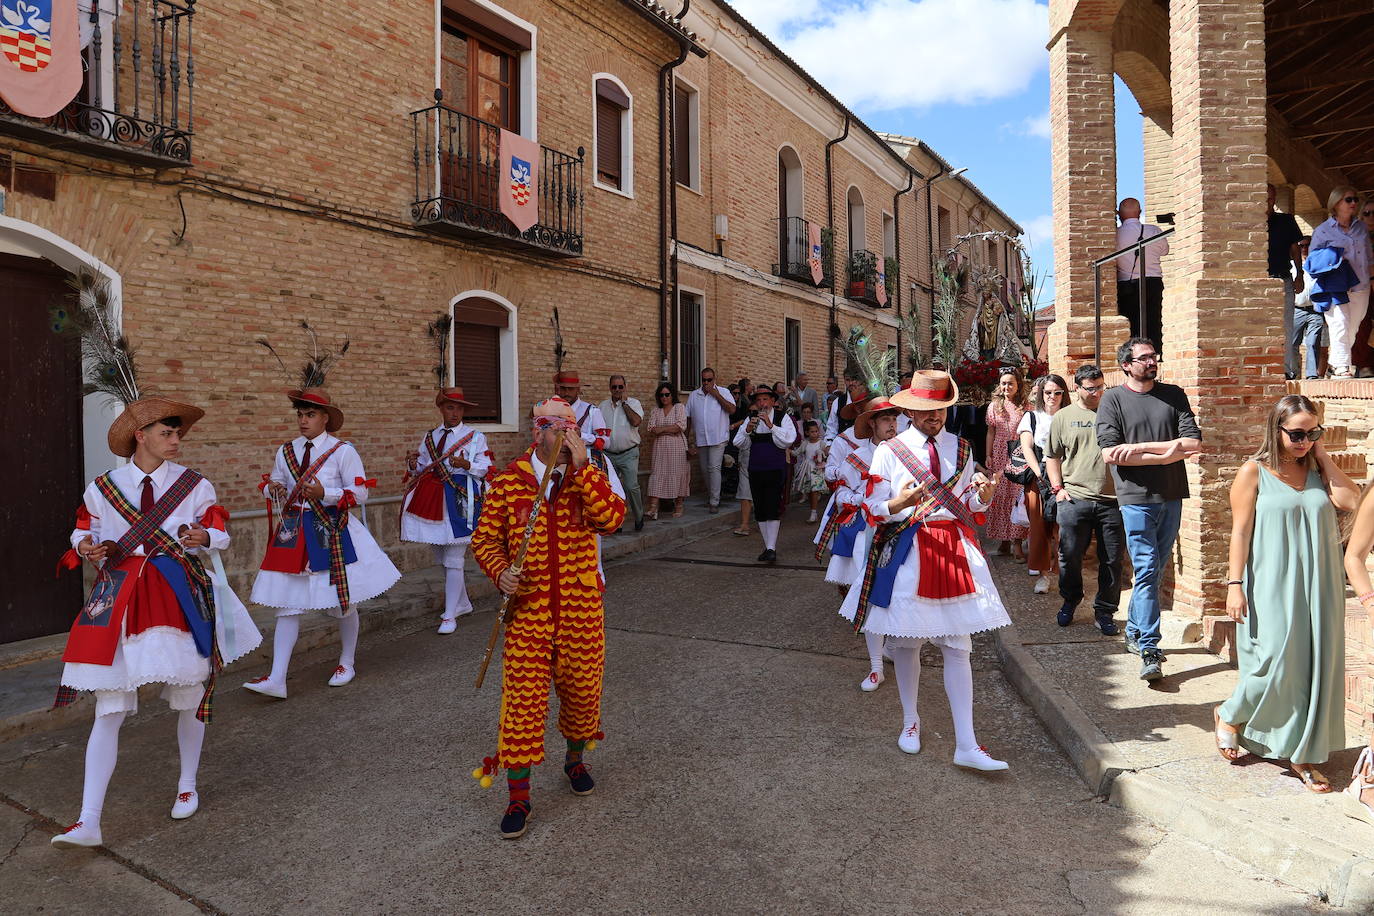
{"x":888,"y":537}
{"x":148,"y":527}
{"x":338,"y":569}
{"x":837,"y":517}
{"x":438,"y":464}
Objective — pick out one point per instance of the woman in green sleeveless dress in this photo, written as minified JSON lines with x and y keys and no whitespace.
{"x":1286,"y":592}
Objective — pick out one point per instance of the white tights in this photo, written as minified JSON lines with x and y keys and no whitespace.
{"x":769,"y":531}
{"x":102,"y":750}
{"x":906,"y":659}
{"x":875,"y":651}
{"x":289,"y":630}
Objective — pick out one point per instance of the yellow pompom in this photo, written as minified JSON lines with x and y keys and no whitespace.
{"x":477,"y":773}
{"x":486,"y":782}
{"x":591,"y":745}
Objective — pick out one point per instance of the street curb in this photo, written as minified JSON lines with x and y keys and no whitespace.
{"x":418,"y":596}
{"x":1310,"y":864}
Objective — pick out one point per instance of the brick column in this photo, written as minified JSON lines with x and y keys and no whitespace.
{"x":1083,"y":156}
{"x":1223,"y":320}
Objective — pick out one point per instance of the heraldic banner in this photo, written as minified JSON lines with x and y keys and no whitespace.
{"x":40,"y":55}
{"x":519,"y":186}
{"x":814,"y":261}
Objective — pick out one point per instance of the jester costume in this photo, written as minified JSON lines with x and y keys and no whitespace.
{"x":443,"y":500}
{"x":554,"y":629}
{"x":925,"y":578}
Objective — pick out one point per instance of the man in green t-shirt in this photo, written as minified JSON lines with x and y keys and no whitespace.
{"x":1086,"y":504}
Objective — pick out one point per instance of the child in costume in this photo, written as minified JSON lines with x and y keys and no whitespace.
{"x":555,"y":627}
{"x":155,"y":614}
{"x":810,"y":457}
{"x":319,"y":557}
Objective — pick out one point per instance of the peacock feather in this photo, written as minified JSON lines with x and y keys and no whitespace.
{"x":878,"y":372}
{"x":560,"y":352}
{"x":107,"y":356}
{"x":318,"y":361}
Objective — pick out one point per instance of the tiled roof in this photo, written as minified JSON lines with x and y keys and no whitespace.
{"x":900,"y":140}
{"x":655,"y":12}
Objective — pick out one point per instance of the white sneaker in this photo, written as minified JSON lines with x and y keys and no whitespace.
{"x":447,"y":625}
{"x":979,"y":759}
{"x":872,"y":682}
{"x":78,"y":835}
{"x":811,"y":519}
{"x":1042,"y":585}
{"x":187,"y":804}
{"x":1032,"y":572}
{"x":910,"y":739}
{"x":264,"y":686}
{"x":341,"y":676}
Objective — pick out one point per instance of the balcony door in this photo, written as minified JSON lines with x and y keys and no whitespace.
{"x":479,"y":76}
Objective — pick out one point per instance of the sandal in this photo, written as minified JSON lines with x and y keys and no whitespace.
{"x":1311,"y":778}
{"x":1227,"y":740}
{"x":1351,"y":803}
{"x":741,"y":532}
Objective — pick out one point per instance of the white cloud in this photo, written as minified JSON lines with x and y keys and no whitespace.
{"x":1037,"y":125}
{"x":890,"y":54}
{"x":1040,"y":232}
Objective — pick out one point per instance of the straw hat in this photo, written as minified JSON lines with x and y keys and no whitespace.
{"x":143,"y":411}
{"x":853,"y":408}
{"x":930,"y":389}
{"x":319,"y":398}
{"x":566,"y":377}
{"x":863,"y":423}
{"x":453,"y":395}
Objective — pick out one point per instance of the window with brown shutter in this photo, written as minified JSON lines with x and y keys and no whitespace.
{"x":477,"y":327}
{"x":612,"y":104}
{"x":682,"y":135}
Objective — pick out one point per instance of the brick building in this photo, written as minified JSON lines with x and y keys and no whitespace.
{"x":1233,"y":94}
{"x":229,"y":178}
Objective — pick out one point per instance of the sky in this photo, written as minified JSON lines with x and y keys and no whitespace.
{"x":969,"y":77}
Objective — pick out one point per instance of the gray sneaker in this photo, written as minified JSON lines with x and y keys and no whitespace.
{"x":1151,"y":665}
{"x":1130,"y":645}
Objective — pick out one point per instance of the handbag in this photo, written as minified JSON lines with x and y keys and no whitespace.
{"x":1017,"y":470}
{"x":1019,"y":518}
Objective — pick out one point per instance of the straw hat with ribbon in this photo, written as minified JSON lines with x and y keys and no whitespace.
{"x":863,"y":423}
{"x":930,"y":389}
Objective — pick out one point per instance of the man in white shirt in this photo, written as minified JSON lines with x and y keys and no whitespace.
{"x":1131,"y":267}
{"x":708,"y":429}
{"x":623,"y":414}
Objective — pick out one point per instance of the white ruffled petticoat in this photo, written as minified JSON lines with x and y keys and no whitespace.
{"x":368,"y":576}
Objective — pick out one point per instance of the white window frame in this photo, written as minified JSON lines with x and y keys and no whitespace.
{"x":889,"y":235}
{"x":800,"y":174}
{"x":789,"y":369}
{"x":700,"y":295}
{"x":627,"y":148}
{"x":510,"y":362}
{"x":862,"y":222}
{"x":529,"y":66}
{"x":693,"y":134}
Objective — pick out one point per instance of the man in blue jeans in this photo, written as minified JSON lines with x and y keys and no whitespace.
{"x":1146,"y":429}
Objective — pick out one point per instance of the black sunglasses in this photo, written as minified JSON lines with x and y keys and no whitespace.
{"x":1352,"y":200}
{"x":665,"y":394}
{"x":1303,"y":435}
{"x":617,"y":387}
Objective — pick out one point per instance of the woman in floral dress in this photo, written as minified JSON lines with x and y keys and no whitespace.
{"x":1004,"y":413}
{"x":670,"y":478}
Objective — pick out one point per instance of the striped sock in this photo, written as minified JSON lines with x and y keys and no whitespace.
{"x":519,"y":783}
{"x":574,"y":754}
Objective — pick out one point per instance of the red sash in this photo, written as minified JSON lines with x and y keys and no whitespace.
{"x":427,"y":488}
{"x":944,"y":569}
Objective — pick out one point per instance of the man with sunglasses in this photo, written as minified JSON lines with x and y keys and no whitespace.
{"x":1085,"y":503}
{"x":1146,"y":429}
{"x":624,"y":414}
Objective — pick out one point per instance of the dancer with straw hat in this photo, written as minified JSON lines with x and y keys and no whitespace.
{"x":319,"y":557}
{"x":925,"y":578}
{"x":155,"y":615}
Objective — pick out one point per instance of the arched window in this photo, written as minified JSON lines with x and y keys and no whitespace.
{"x":484,"y":359}
{"x":614,"y":146}
{"x":857,"y":239}
{"x":794,"y":244}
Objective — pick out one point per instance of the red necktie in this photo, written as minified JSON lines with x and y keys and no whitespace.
{"x":443,"y":440}
{"x":145,"y":505}
{"x":554,"y":483}
{"x":305,"y":461}
{"x":934,"y":456}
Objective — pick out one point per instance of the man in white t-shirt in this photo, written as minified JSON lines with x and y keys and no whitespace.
{"x":708,"y":429}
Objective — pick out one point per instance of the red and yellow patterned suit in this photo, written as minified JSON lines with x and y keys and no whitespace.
{"x":556,"y":628}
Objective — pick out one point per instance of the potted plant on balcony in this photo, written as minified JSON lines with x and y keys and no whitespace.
{"x":890,"y":278}
{"x":863,"y":272}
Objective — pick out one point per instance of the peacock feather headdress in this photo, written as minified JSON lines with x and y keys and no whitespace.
{"x":877,"y":371}
{"x":438,"y":331}
{"x":107,"y":355}
{"x":318,"y":363}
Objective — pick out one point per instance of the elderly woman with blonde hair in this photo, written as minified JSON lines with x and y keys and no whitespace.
{"x":1345,"y":231}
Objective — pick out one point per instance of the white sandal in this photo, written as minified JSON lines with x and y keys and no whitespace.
{"x":1351,"y":803}
{"x":1227,"y":740}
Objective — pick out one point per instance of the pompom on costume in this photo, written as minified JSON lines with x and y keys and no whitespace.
{"x":556,"y":627}
{"x":156,"y":614}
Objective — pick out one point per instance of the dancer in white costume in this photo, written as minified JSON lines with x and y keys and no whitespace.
{"x":319,"y":556}
{"x":444,"y":489}
{"x":925,"y":577}
{"x":847,"y":528}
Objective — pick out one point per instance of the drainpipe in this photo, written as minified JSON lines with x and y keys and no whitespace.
{"x":897,"y":245}
{"x":830,"y":219}
{"x":667,"y":208}
{"x":930,"y":240}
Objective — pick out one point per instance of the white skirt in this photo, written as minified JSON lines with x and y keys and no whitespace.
{"x":846,"y":570}
{"x":368,"y":576}
{"x":427,"y":531}
{"x":923,"y":618}
{"x":162,"y":655}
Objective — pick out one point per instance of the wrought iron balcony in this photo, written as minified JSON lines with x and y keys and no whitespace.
{"x":794,"y":252}
{"x":863,"y":278}
{"x":457,"y":177}
{"x":135,"y":102}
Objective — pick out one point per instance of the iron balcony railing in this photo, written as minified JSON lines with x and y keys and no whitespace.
{"x":457,"y":176}
{"x":794,"y":252}
{"x":136,"y":100}
{"x":863,"y":278}
{"x":1135,"y":251}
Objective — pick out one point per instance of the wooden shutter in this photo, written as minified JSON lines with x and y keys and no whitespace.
{"x":682,"y":135}
{"x":611,"y":104}
{"x":477,"y":326}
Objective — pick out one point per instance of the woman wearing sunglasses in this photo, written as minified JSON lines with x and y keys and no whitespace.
{"x":1344,"y":230}
{"x":1286,"y":593}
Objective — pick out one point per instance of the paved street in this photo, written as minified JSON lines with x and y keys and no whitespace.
{"x":742,"y":770}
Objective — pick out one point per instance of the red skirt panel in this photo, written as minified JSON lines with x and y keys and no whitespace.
{"x":130,"y":597}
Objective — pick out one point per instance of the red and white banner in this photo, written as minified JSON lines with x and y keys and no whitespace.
{"x":518,"y":187}
{"x":40,"y":55}
{"x":881,"y":292}
{"x":814,"y":242}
